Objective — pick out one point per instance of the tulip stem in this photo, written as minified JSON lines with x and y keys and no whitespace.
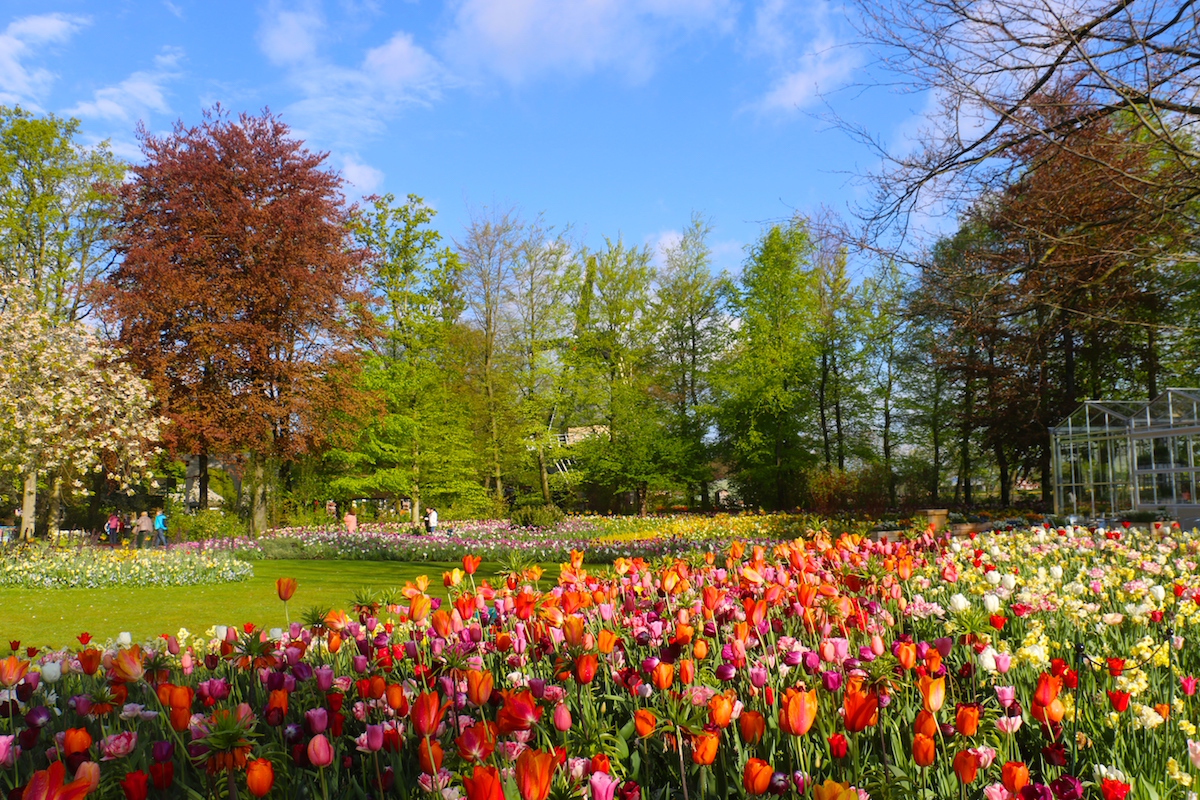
{"x":682,"y":769}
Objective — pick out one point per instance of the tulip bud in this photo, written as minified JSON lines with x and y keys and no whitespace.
{"x":562,"y":717}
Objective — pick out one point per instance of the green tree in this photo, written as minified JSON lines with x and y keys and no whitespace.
{"x":767,"y":384}
{"x":56,"y":210}
{"x":693,"y":332}
{"x":416,"y":441}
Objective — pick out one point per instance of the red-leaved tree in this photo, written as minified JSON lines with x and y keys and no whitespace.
{"x":237,"y":293}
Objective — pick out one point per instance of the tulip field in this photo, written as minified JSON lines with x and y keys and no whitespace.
{"x":1040,"y":664}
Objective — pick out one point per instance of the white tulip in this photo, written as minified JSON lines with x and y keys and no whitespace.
{"x":993,"y":577}
{"x":51,"y":672}
{"x":1158,"y":593}
{"x":1056,"y":572}
{"x":124,"y":639}
{"x":991,"y":603}
{"x":987,"y":659}
{"x":1009,"y":582}
{"x":959,"y":604}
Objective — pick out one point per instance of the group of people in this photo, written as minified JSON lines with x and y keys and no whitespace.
{"x":350,"y":519}
{"x":141,"y":528}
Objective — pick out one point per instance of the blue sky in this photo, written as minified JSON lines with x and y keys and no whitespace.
{"x":617,"y":117}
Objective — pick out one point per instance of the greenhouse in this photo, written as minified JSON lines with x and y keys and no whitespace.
{"x":1115,"y":456}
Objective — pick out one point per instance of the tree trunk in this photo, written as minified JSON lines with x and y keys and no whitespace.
{"x":642,"y":497}
{"x":705,"y":500}
{"x":29,"y":505}
{"x":1151,"y":363}
{"x":967,"y":428}
{"x":202,"y":476}
{"x":55,"y":511}
{"x":1002,"y":466}
{"x":545,"y":479}
{"x":1069,"y":368}
{"x":837,"y":416}
{"x":258,"y":497}
{"x":821,"y":406}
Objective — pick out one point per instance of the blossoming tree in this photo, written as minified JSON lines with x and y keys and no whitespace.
{"x":69,"y":406}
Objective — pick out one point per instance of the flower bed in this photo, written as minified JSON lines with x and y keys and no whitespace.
{"x":1046,"y":664}
{"x":604,"y":539}
{"x":99,"y":567}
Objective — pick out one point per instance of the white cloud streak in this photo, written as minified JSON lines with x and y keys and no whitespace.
{"x":24,"y":39}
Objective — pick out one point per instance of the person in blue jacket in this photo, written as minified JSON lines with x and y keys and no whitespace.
{"x":160,"y":528}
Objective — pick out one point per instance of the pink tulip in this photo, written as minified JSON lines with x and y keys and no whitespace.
{"x":7,"y":746}
{"x":1188,"y":684}
{"x":91,"y":771}
{"x":1006,"y":695}
{"x":1008,"y":724}
{"x":1003,"y":660}
{"x":118,"y":745}
{"x":603,"y":786}
{"x":996,"y":792}
{"x":320,"y":753}
{"x":562,"y":718}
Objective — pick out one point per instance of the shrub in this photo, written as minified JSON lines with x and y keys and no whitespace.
{"x":211,"y":523}
{"x":536,"y":516}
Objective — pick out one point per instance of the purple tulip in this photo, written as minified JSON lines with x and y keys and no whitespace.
{"x":726,"y":672}
{"x":944,"y":645}
{"x":537,"y":687}
{"x":812,"y":662}
{"x":317,"y":719}
{"x":758,"y":676}
{"x":302,"y":672}
{"x":324,"y":676}
{"x":37,"y":717}
{"x":1067,"y":787}
{"x":792,"y":658}
{"x":1035,"y":791}
{"x":162,"y":751}
{"x":832,"y":681}
{"x":374,"y":737}
{"x":359,"y":663}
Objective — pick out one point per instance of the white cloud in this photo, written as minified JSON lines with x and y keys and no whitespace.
{"x":802,"y":38}
{"x":341,"y":104}
{"x":289,"y":36}
{"x":136,"y":96}
{"x":362,"y":176}
{"x":23,"y":38}
{"x":521,"y":39}
{"x":659,"y":243}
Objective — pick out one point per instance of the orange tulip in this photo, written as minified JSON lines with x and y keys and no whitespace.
{"x":48,"y":783}
{"x":285,"y":588}
{"x":418,"y":608}
{"x":127,"y":664}
{"x":606,"y":641}
{"x":1048,"y":714}
{"x":704,"y":747}
{"x":720,"y":710}
{"x":585,"y":668}
{"x":278,"y":699}
{"x":334,"y":642}
{"x":76,"y":740}
{"x":925,"y":724}
{"x":519,"y":712}
{"x":922,"y":750}
{"x":644,"y":722}
{"x":429,"y":756}
{"x":260,"y":777}
{"x":663,"y":676}
{"x":933,"y":692}
{"x":426,"y":713}
{"x":1048,"y":687}
{"x":483,"y":784}
{"x":89,"y":661}
{"x":752,"y":725}
{"x":797,"y":711}
{"x":966,"y":764}
{"x":470,"y":563}
{"x":479,"y":687}
{"x":700,"y":650}
{"x":832,"y":790}
{"x":534,"y":770}
{"x":1014,"y":775}
{"x":861,"y":707}
{"x":687,"y":671}
{"x":396,"y":701}
{"x":906,"y":654}
{"x":966,"y":719}
{"x":12,"y":670}
{"x":756,"y":777}
{"x":572,"y":628}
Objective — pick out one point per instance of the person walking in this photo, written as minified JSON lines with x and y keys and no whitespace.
{"x":112,"y":528}
{"x":431,"y":520}
{"x":350,"y":521}
{"x":143,"y":528}
{"x":160,"y":528}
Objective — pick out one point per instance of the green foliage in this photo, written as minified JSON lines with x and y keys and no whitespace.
{"x":211,"y":523}
{"x":545,"y":516}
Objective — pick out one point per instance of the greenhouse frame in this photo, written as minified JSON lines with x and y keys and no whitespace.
{"x":1115,"y":456}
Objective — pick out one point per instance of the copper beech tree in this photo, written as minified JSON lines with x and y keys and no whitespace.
{"x":237,"y":293}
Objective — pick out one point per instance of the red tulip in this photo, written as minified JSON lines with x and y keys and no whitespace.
{"x":1119,"y":700}
{"x":426,"y":713}
{"x":47,"y":784}
{"x":133,"y":785}
{"x":260,"y":777}
{"x":477,"y":742}
{"x":483,"y":784}
{"x":127,"y":665}
{"x":519,"y":712}
{"x":534,"y":769}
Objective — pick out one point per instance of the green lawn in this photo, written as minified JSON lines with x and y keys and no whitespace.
{"x":56,"y":616}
